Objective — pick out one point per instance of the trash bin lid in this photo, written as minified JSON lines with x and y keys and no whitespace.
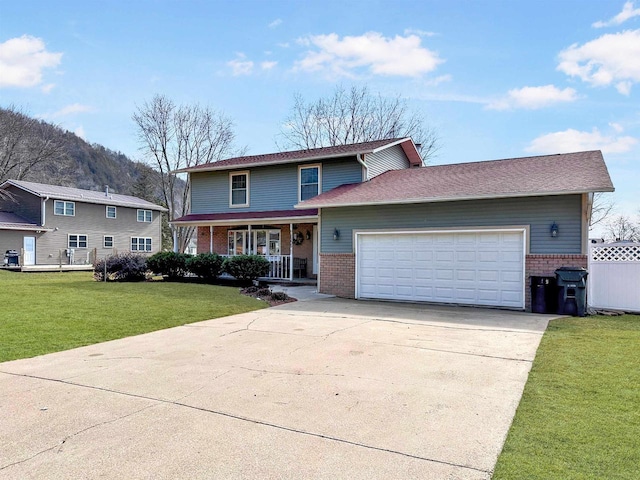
{"x":571,"y":274}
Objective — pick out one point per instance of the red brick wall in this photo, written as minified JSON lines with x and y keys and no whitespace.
{"x":203,"y":239}
{"x":338,"y":274}
{"x":545,"y":266}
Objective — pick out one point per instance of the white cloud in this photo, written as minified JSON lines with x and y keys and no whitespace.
{"x":617,"y":127}
{"x":79,"y":131}
{"x":268,"y":65}
{"x":574,"y":141}
{"x":533,"y":98}
{"x":398,"y":56}
{"x":275,"y":23}
{"x":609,"y":59}
{"x":434,"y":82}
{"x":421,"y":33}
{"x":284,"y":45}
{"x":627,"y":12}
{"x":47,"y":88}
{"x":66,"y":110}
{"x":22,"y":60}
{"x":241,"y":66}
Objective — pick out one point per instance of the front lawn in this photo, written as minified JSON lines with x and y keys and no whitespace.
{"x":579,"y":417}
{"x":48,"y":312}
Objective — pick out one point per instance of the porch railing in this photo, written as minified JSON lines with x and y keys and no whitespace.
{"x":280,"y":266}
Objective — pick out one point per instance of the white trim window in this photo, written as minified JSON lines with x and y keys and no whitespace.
{"x":239,"y":189}
{"x":77,"y":241}
{"x":309,"y":181}
{"x":68,"y":209}
{"x":108,"y":241}
{"x":111,"y":211}
{"x":145,"y":216}
{"x":141,"y":244}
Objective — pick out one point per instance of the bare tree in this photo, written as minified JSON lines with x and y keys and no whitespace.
{"x":602,"y":207}
{"x":622,"y":228}
{"x":25,"y":144}
{"x":353,"y":116}
{"x":180,"y":136}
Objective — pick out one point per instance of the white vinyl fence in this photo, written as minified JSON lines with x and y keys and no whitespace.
{"x":614,"y":276}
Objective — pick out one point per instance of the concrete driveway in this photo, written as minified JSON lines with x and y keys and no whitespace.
{"x":325,"y":388}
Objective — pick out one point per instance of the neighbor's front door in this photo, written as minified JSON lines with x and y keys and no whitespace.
{"x":29,"y":247}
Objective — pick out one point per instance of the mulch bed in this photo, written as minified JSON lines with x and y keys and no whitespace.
{"x":265,"y":293}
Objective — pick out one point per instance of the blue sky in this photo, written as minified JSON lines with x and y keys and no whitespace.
{"x":496,"y":79}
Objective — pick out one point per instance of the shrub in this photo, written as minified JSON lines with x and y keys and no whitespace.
{"x":247,"y":268}
{"x":126,"y":267}
{"x":169,"y":264}
{"x":279,"y":296}
{"x":205,"y":265}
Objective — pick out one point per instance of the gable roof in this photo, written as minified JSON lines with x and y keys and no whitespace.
{"x":56,"y":192}
{"x":11,"y":221}
{"x":560,"y":174}
{"x":295,"y":156}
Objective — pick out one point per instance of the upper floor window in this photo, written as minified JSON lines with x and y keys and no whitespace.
{"x":239,"y":189}
{"x":145,"y":216}
{"x":64,"y":208}
{"x":111,"y":211}
{"x":77,"y":241}
{"x":309,"y":181}
{"x":108,"y":241}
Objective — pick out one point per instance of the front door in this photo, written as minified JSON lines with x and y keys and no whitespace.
{"x":29,"y":248}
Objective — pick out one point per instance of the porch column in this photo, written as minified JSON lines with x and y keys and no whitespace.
{"x":249,"y":240}
{"x":291,"y":251}
{"x":210,"y":238}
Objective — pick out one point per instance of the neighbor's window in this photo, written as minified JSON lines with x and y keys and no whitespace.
{"x":108,"y":241}
{"x":239,"y":189}
{"x":77,"y":241}
{"x":111,"y":211}
{"x":64,"y":208}
{"x":140,"y":244}
{"x":145,"y":216}
{"x":309,"y":179}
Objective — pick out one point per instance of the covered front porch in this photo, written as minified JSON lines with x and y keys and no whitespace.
{"x":289,"y":240}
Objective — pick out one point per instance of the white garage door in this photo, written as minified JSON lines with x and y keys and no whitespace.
{"x":465,"y":267}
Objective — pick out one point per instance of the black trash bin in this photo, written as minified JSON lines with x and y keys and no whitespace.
{"x":572,"y":291}
{"x":544,"y":298}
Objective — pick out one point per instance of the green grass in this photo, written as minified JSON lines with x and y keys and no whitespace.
{"x":579,"y":417}
{"x":48,"y":312}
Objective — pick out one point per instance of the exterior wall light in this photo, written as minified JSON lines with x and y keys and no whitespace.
{"x":308,"y":235}
{"x":554,"y":229}
{"x":336,"y":234}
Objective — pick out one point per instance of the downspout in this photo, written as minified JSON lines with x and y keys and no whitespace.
{"x":44,"y":210}
{"x":586,"y":220}
{"x":360,"y":159}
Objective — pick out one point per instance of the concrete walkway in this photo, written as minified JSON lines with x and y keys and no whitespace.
{"x":325,"y":388}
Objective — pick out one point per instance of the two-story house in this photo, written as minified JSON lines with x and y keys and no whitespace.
{"x":371,"y":222}
{"x":53,"y":225}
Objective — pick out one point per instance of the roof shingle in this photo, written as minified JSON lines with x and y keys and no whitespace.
{"x":529,"y":176}
{"x":80,"y":195}
{"x":310,"y":155}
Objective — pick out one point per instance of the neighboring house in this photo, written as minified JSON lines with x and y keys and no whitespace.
{"x":372,"y":223}
{"x":50,"y":225}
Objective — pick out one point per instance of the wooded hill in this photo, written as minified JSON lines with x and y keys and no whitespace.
{"x":38,"y":151}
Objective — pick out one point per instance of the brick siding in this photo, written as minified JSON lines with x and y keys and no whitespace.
{"x":338,"y":274}
{"x":545,"y":266}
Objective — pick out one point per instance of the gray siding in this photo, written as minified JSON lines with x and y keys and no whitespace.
{"x":14,"y":240}
{"x":91,"y":220}
{"x":22,"y":203}
{"x":392,"y":158}
{"x":537,"y":212}
{"x":273,"y":187}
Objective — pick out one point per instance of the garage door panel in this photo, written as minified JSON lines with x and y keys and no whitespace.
{"x":481,"y":268}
